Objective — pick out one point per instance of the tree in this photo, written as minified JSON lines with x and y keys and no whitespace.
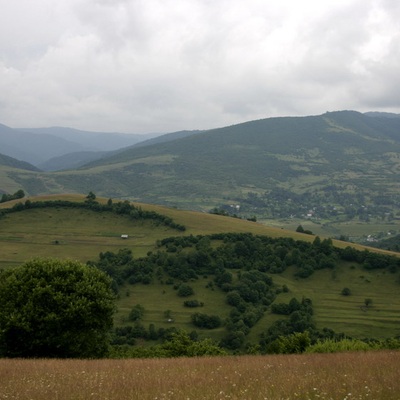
{"x":181,"y":345}
{"x":185,"y":290}
{"x":368,"y":302}
{"x":19,"y":194}
{"x":346,"y":291}
{"x":53,"y":308}
{"x":136,"y":313}
{"x":91,"y":197}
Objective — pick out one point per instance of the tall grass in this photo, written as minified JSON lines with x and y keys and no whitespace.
{"x":360,"y":375}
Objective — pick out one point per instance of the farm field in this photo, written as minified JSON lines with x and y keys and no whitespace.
{"x":357,"y":375}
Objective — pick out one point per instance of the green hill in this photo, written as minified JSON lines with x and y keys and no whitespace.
{"x":337,"y":171}
{"x":150,"y":268}
{"x":7,"y":161}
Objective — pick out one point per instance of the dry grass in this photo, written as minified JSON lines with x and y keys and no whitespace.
{"x":369,"y":375}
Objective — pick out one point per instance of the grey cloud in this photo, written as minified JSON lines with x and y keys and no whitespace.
{"x":145,"y":66}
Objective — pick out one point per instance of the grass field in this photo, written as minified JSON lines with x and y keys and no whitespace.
{"x":361,"y":375}
{"x":347,"y":313}
{"x":83,"y":234}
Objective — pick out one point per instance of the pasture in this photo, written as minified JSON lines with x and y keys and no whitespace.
{"x":339,"y":376}
{"x":81,"y":235}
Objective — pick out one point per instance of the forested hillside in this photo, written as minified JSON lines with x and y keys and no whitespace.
{"x":239,"y":283}
{"x":330,"y":170}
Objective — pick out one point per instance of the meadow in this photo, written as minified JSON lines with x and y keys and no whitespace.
{"x":344,"y":376}
{"x":82,"y":234}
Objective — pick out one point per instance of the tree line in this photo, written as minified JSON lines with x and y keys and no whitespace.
{"x":121,"y":208}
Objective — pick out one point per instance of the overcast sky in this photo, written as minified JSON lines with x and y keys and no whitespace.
{"x":141,"y":66}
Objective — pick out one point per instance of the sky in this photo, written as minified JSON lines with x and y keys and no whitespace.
{"x":147,"y":66}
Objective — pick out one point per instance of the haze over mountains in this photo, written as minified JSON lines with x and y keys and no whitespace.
{"x":344,"y":161}
{"x":42,"y":146}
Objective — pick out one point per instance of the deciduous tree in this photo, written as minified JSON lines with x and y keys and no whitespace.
{"x":53,"y":308}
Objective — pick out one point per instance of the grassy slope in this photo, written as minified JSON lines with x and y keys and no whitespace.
{"x":83,"y":235}
{"x":305,"y":154}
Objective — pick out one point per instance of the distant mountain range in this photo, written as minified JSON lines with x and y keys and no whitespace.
{"x":42,"y":146}
{"x":339,"y":163}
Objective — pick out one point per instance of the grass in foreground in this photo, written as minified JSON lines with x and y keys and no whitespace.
{"x":361,"y":375}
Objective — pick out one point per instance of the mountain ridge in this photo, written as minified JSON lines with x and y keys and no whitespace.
{"x":339,"y":166}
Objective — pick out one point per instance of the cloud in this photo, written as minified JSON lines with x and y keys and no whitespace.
{"x":146,"y":66}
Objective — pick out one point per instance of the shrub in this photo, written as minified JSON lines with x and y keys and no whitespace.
{"x":346,"y":291}
{"x":185,"y":290}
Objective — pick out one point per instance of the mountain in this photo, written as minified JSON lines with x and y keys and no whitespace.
{"x":167,"y":138}
{"x":382,"y":114}
{"x":93,"y":141}
{"x":33,"y":148}
{"x":14,"y":163}
{"x":39,"y":145}
{"x":323,"y":170}
{"x":296,"y":154}
{"x":72,"y":160}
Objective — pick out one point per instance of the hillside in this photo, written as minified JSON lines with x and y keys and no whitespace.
{"x":7,"y":161}
{"x":337,"y":172}
{"x":38,"y":145}
{"x":150,"y":267}
{"x":33,"y":148}
{"x":95,"y":141}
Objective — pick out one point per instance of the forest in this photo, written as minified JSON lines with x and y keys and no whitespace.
{"x":242,"y":266}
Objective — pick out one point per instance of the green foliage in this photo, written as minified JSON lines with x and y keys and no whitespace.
{"x":295,"y":343}
{"x":185,"y":290}
{"x":120,"y":208}
{"x":346,"y":291}
{"x":206,"y":321}
{"x":193,"y":303}
{"x":52,"y":308}
{"x":136,"y":313}
{"x":300,"y":319}
{"x":335,"y":346}
{"x":19,"y":194}
{"x":239,"y":265}
{"x":91,"y":196}
{"x":178,"y":345}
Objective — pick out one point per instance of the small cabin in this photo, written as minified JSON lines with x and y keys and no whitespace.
{"x":124,"y":236}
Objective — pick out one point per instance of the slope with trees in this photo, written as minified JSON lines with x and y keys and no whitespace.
{"x":331,"y":168}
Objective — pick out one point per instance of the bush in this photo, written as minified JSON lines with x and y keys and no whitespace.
{"x":206,"y":321}
{"x":292,"y":344}
{"x":185,"y":291}
{"x":192,"y":303}
{"x":136,"y":313}
{"x":335,"y":346}
{"x":346,"y":291}
{"x":53,"y":308}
